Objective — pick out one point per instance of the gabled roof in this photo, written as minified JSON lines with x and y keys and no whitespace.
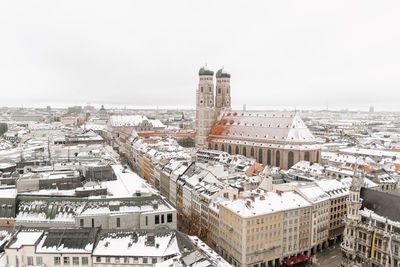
{"x":271,"y":126}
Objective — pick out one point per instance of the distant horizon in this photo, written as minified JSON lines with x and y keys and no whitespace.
{"x":192,"y":107}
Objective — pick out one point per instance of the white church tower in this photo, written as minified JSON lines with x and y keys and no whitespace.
{"x":205,"y":109}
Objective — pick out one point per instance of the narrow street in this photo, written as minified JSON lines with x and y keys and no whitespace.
{"x":329,"y":257}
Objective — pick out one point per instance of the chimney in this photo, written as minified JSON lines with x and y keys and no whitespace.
{"x":248,"y":203}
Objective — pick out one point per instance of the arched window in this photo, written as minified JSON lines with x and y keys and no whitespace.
{"x":269,"y":157}
{"x":223,"y":147}
{"x":237,"y":150}
{"x":219,"y":90}
{"x":229,"y":149}
{"x":216,"y":147}
{"x":260,"y":156}
{"x":290,"y":159}
{"x":278,"y":159}
{"x":317,"y":159}
{"x":307,"y":156}
{"x":252,"y":152}
{"x":244,"y":152}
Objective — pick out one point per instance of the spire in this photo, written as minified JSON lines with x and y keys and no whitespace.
{"x":357,"y":180}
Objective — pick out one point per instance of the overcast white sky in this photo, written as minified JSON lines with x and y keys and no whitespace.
{"x":135,"y":53}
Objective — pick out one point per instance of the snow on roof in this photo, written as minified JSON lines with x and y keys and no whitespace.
{"x":367,"y":183}
{"x":127,"y":183}
{"x":313,"y":192}
{"x":8,"y":192}
{"x":333,"y":188}
{"x":127,"y":120}
{"x":371,"y":152}
{"x":209,"y":256}
{"x":268,"y":203}
{"x":5,"y":235}
{"x":157,"y":123}
{"x":130,"y":244}
{"x":25,"y":238}
{"x":67,"y":240}
{"x":369,"y":213}
{"x":287,"y":126}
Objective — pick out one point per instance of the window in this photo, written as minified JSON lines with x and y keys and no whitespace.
{"x":118,"y":222}
{"x":162,"y":218}
{"x":260,"y":156}
{"x":223,"y":147}
{"x":219,"y":90}
{"x":269,"y":157}
{"x":244,"y":151}
{"x":252,"y":152}
{"x":66,"y":260}
{"x":278,"y":159}
{"x":169,"y":217}
{"x":290,"y":159}
{"x":157,"y":219}
{"x":39,"y":260}
{"x":92,"y":222}
{"x":117,"y":260}
{"x":108,"y":259}
{"x":237,"y":150}
{"x":144,"y":260}
{"x":201,"y":89}
{"x":98,"y":259}
{"x":307,"y":156}
{"x":81,"y":222}
{"x":75,"y":261}
{"x":126,"y":260}
{"x":153,"y":260}
{"x":135,"y":259}
{"x":57,"y":260}
{"x":29,"y":260}
{"x":85,"y":261}
{"x":147,"y":220}
{"x":229,"y":149}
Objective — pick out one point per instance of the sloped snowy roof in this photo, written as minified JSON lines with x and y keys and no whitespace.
{"x":127,"y":120}
{"x":333,"y":188}
{"x":275,"y":126}
{"x":25,"y":238}
{"x":268,"y":203}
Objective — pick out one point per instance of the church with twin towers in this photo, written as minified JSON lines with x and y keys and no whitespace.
{"x":278,"y":138}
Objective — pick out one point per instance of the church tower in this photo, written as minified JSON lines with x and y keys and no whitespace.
{"x":353,"y":217}
{"x":205,"y":110}
{"x":222,"y":91}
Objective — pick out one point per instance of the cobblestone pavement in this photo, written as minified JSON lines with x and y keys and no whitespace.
{"x":329,"y":257}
